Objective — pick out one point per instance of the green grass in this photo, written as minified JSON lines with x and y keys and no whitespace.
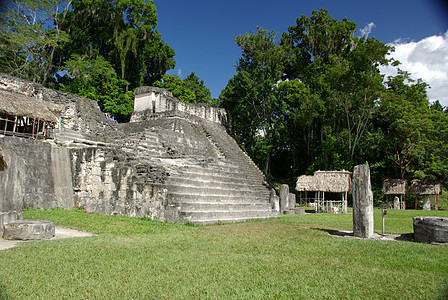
{"x":290,"y":257}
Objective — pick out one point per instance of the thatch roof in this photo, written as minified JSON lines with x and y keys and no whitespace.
{"x":421,"y":187}
{"x":15,"y":104}
{"x":325,"y":181}
{"x":306,"y":183}
{"x":394,"y":187}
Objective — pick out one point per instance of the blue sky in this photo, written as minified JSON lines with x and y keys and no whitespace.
{"x":202,"y":31}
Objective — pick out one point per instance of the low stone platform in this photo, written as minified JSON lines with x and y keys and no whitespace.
{"x":430,"y":229}
{"x":29,"y":230}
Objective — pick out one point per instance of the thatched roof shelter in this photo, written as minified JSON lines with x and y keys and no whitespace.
{"x":421,"y":187}
{"x":15,"y":104}
{"x":325,"y":181}
{"x":394,"y":187}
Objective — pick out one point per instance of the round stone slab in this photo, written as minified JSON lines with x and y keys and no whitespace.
{"x":431,"y":229}
{"x":28,"y":230}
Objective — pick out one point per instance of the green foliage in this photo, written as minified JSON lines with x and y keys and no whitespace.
{"x":27,"y":42}
{"x":197,"y":86}
{"x":189,"y":90}
{"x":96,"y":79}
{"x":414,"y":134}
{"x":443,"y":200}
{"x":105,"y":48}
{"x":317,"y":100}
{"x":250,"y":95}
{"x":121,"y":31}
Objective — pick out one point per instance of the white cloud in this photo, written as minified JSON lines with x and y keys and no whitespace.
{"x":179,"y":73}
{"x":426,"y":59}
{"x":367,"y":29}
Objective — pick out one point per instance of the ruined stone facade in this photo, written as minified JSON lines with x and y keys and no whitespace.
{"x":173,"y":162}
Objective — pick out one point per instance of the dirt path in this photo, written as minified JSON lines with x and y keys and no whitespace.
{"x":60,"y":233}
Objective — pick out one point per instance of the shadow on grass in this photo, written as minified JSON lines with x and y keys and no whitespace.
{"x":3,"y":294}
{"x":444,"y":293}
{"x":409,"y":237}
{"x":335,"y":232}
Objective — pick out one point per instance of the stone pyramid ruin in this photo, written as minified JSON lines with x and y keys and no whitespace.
{"x":173,"y":162}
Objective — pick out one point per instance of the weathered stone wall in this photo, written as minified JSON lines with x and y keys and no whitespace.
{"x":100,"y":180}
{"x":110,"y":182}
{"x":39,"y":174}
{"x":11,"y":187}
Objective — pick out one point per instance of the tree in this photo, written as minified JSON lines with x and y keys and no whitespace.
{"x":30,"y":34}
{"x":189,"y":90}
{"x":414,"y":134}
{"x":250,"y":96}
{"x":197,"y":86}
{"x":342,"y":70}
{"x":97,"y":80}
{"x":121,"y":31}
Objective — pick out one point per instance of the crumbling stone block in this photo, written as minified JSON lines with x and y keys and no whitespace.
{"x":430,"y":229}
{"x":29,"y":230}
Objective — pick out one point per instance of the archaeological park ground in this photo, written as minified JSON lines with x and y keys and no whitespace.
{"x":130,"y":202}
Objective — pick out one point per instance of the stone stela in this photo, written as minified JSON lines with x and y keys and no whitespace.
{"x":362,"y":202}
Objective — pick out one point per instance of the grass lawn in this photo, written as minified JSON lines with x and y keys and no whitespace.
{"x":289,"y":257}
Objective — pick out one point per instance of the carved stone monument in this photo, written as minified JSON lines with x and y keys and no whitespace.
{"x":274,"y":200}
{"x":427,"y":203}
{"x":292,"y":200}
{"x":362,"y":202}
{"x":284,"y":198}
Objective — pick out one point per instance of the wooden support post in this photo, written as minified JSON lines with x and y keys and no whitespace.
{"x":6,"y":125}
{"x":15,"y":126}
{"x":32,"y":131}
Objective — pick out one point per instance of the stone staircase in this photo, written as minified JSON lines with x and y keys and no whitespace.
{"x":225,"y":188}
{"x":210,"y":178}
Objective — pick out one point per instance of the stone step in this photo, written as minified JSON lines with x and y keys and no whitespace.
{"x":214,"y":190}
{"x":227,"y":220}
{"x":223,"y":206}
{"x":188,"y":197}
{"x":204,"y":173}
{"x":222,"y":214}
{"x":211,"y":181}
